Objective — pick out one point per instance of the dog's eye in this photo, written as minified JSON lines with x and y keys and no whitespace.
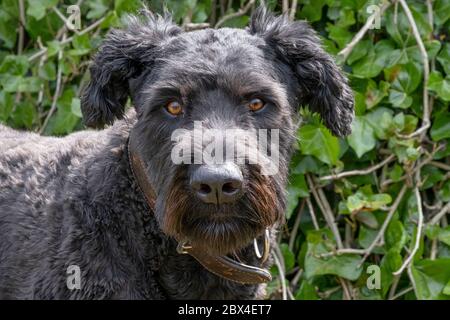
{"x":174,"y":108}
{"x":256,"y":104}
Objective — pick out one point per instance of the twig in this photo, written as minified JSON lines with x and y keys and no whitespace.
{"x":196,"y":26}
{"x":285,"y":6}
{"x":345,"y":289}
{"x":411,"y":278}
{"x":66,"y":41}
{"x":282,"y":279}
{"x":349,"y":48}
{"x":358,"y":172}
{"x":385,"y":224}
{"x":326,"y":210}
{"x":401,"y":293}
{"x":440,"y":165}
{"x":343,"y":251}
{"x":236,"y":14}
{"x":294,"y":231}
{"x":440,"y":214}
{"x":57,"y":92}
{"x":22,"y":24}
{"x":426,"y":71}
{"x":312,"y":214}
{"x":296,"y":278}
{"x":407,"y":262}
{"x":293,"y":10}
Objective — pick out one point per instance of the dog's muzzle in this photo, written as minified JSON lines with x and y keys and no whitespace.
{"x":222,"y":266}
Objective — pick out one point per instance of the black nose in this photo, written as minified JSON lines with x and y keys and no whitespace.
{"x":217,"y":183}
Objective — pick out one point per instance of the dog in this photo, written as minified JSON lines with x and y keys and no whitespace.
{"x":108,"y":214}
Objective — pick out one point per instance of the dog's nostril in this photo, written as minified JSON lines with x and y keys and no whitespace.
{"x":229,"y":188}
{"x":204,"y":188}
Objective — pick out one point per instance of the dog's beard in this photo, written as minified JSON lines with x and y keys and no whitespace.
{"x":226,"y":228}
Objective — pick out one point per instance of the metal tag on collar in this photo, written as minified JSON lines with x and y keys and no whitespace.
{"x":183,"y":247}
{"x":266,"y":248}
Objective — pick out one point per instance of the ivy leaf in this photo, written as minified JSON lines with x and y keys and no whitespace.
{"x":360,"y":201}
{"x":317,"y":141}
{"x":431,"y":278}
{"x":362,"y":139}
{"x":441,"y":127}
{"x":441,"y":11}
{"x":297,"y":189}
{"x":440,"y":85}
{"x":345,"y":266}
{"x":289,"y":258}
{"x":444,"y":58}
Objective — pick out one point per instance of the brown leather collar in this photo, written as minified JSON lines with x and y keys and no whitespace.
{"x":221,"y":266}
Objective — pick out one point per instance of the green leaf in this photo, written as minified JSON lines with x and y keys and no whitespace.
{"x":345,"y":266}
{"x":360,"y":200}
{"x":375,"y":61}
{"x":381,"y":121}
{"x":317,"y":141}
{"x":64,"y":121}
{"x":289,"y":258}
{"x":297,"y":189}
{"x":368,"y":219}
{"x":312,"y":10}
{"x":441,"y":127}
{"x":359,"y":51}
{"x":362,"y":139}
{"x":441,"y":11}
{"x":340,"y":35}
{"x":444,"y":193}
{"x":15,"y":65}
{"x":8,"y":26}
{"x":6,"y":105}
{"x":395,"y":236}
{"x":36,"y":9}
{"x":431,"y":277}
{"x":390,"y":263}
{"x":306,"y":292}
{"x":440,"y":85}
{"x":444,"y":58}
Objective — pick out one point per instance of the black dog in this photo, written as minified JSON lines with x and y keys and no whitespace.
{"x":113,"y":204}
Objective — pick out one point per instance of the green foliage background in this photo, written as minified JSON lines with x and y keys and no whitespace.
{"x":335,"y":213}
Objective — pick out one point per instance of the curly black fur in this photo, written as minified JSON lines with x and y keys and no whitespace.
{"x":74,"y":201}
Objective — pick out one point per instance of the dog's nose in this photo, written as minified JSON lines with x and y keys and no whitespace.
{"x":217,"y":183}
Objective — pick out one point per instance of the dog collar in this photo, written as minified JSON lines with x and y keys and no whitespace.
{"x":221,"y":266}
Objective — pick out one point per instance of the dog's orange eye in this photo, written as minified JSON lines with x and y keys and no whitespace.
{"x":174,"y":108}
{"x":256,"y":104}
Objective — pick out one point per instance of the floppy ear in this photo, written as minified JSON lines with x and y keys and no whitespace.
{"x":322,"y":85}
{"x":123,"y":56}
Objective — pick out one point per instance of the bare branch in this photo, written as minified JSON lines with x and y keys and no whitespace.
{"x":294,"y":231}
{"x":57,"y":92}
{"x":68,"y":40}
{"x":359,"y":172}
{"x":293,"y":10}
{"x":282,"y":275}
{"x":196,"y":26}
{"x":440,"y":214}
{"x":236,"y":14}
{"x":407,"y":262}
{"x":344,"y":53}
{"x":22,"y":24}
{"x":326,"y":210}
{"x":312,"y":214}
{"x":426,"y":72}
{"x":389,"y":216}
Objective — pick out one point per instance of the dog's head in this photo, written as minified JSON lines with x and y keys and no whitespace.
{"x":217,"y":117}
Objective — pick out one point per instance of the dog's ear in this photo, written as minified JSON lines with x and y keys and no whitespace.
{"x":322,"y":85}
{"x":123,"y":55}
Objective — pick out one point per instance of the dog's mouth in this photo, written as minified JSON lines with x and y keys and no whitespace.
{"x":220,"y":234}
